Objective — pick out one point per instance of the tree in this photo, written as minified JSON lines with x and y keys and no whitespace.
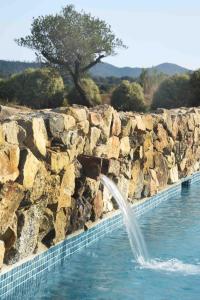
{"x":128,"y":97}
{"x":90,"y":89}
{"x":73,"y":42}
{"x":36,"y":88}
{"x":195,"y":87}
{"x":173,"y":92}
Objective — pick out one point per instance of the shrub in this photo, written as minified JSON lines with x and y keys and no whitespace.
{"x":128,"y":96}
{"x":91,"y":90}
{"x":36,"y":88}
{"x":173,"y":92}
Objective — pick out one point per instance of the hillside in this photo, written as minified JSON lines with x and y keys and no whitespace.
{"x":102,"y":69}
{"x":105,"y":70}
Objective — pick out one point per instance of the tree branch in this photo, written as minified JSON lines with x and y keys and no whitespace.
{"x":93,"y":63}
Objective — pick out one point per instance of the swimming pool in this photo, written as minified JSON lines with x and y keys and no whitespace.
{"x":107,"y":270}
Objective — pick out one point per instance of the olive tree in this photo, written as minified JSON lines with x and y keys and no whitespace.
{"x":91,"y":90}
{"x":73,"y":42}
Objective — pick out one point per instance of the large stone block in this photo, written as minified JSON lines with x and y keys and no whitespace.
{"x":29,"y":166}
{"x":13,"y":133}
{"x":11,"y":194}
{"x":9,"y":162}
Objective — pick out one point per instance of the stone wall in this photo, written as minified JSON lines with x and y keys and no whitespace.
{"x":50,"y":161}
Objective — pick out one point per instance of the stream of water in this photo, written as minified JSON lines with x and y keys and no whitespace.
{"x":136,"y":239}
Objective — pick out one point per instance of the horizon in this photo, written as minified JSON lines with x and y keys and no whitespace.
{"x":148,"y":44}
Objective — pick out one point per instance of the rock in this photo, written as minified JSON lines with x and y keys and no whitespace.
{"x":128,"y":124}
{"x":125,"y":146}
{"x":91,"y":143}
{"x":151,"y":184}
{"x":125,"y":168}
{"x":39,"y":135}
{"x":60,"y":123}
{"x":79,"y":113}
{"x":9,"y":162}
{"x":137,"y":181}
{"x":2,"y":252}
{"x":13,"y":133}
{"x":148,"y":122}
{"x":83,"y":126}
{"x":28,"y":230}
{"x":161,"y":169}
{"x":123,"y":185}
{"x":58,"y":160}
{"x":116,"y":124}
{"x":2,"y":139}
{"x":98,"y":205}
{"x":29,"y":166}
{"x":173,"y":175}
{"x":67,"y":187}
{"x":113,"y":147}
{"x":61,"y":225}
{"x":162,"y":141}
{"x":107,"y":200}
{"x":114,"y":167}
{"x":40,"y":187}
{"x":95,"y":119}
{"x":46,"y":227}
{"x":140,"y":124}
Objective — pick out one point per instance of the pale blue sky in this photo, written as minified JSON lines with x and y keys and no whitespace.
{"x":155,"y":31}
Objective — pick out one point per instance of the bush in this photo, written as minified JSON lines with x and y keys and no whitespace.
{"x":36,"y":88}
{"x":91,"y":90}
{"x":173,"y":92}
{"x":128,"y":96}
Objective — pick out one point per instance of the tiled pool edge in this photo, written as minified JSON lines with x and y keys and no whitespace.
{"x":18,"y":276}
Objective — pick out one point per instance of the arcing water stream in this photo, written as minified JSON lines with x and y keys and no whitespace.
{"x":136,"y":239}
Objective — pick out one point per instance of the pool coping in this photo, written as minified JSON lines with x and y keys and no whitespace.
{"x":13,"y":278}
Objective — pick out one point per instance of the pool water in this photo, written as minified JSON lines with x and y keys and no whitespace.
{"x":107,"y":271}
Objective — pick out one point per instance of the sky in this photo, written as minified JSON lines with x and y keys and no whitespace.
{"x":155,"y":31}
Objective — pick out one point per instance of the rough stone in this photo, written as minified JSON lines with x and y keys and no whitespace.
{"x":137,"y":181}
{"x":13,"y":133}
{"x":9,"y":162}
{"x":29,"y":166}
{"x":10,"y":197}
{"x":125,"y":146}
{"x":2,"y":252}
{"x":113,"y":147}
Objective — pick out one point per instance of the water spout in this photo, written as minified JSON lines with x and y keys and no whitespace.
{"x":134,"y":233}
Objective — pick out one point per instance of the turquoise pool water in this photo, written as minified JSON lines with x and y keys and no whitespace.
{"x":107,"y":270}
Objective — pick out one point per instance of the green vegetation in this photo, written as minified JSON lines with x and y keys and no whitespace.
{"x":195,"y":88}
{"x":173,"y":92}
{"x":73,"y":42}
{"x":91,"y":90}
{"x":128,"y":97}
{"x":40,"y":88}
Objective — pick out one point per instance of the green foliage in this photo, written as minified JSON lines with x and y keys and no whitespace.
{"x":39,"y":88}
{"x":91,"y":90}
{"x":72,"y":41}
{"x":173,"y":92}
{"x":195,"y":87}
{"x":128,"y":97}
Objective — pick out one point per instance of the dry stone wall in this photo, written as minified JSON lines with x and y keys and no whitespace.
{"x":50,"y":162}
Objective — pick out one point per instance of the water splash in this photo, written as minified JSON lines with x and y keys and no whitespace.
{"x":135,"y":236}
{"x":137,"y":241}
{"x":172,"y":266}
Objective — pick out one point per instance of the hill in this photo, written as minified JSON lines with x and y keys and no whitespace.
{"x":103,"y":69}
